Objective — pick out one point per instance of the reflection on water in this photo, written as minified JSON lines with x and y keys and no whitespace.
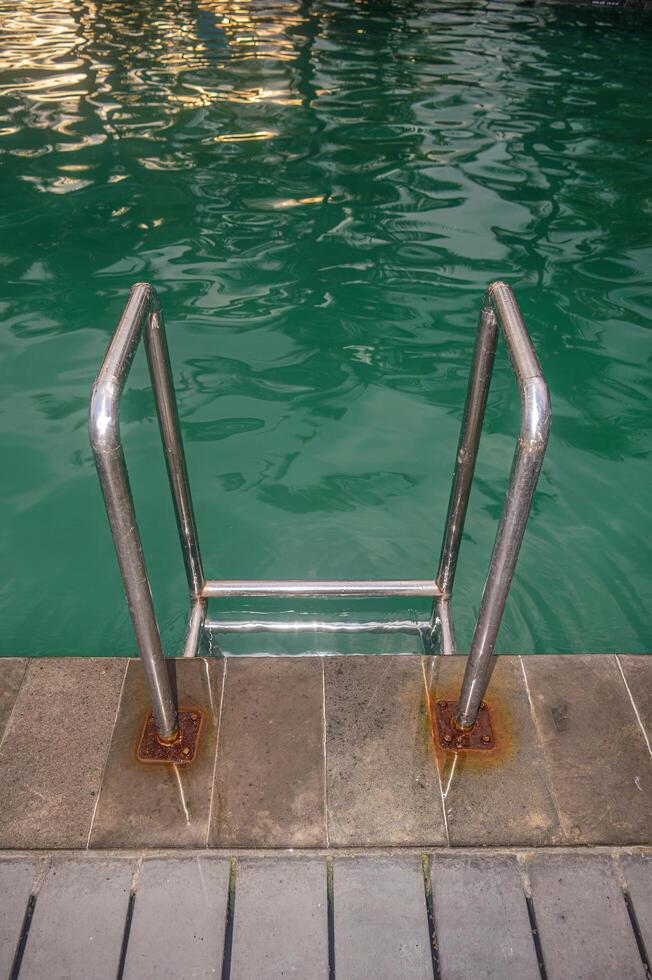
{"x":321,"y":190}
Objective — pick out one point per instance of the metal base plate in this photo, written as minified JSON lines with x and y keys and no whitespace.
{"x":181,"y":752}
{"x":481,"y":735}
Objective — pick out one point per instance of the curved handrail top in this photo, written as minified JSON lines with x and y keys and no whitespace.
{"x":535,"y":397}
{"x":104,"y":408}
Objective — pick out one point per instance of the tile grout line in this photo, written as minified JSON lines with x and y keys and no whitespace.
{"x":217,"y":750}
{"x":323,"y":703}
{"x":526,"y":888}
{"x":128,"y":924}
{"x":13,"y":707}
{"x":314,"y":852}
{"x":137,"y":868}
{"x":426,"y":686}
{"x":106,"y":758}
{"x":634,"y":706}
{"x":41,"y":872}
{"x":539,"y":734}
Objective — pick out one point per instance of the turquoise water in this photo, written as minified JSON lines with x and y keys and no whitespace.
{"x":321,"y":192}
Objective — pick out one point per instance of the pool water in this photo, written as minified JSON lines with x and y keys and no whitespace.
{"x":321,"y":192}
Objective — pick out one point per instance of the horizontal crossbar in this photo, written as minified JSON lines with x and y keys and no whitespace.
{"x":313,"y":626}
{"x":214,"y":588}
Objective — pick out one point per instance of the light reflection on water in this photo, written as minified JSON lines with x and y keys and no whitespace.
{"x":321,"y":191}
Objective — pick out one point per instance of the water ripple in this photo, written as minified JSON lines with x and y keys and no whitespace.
{"x":321,"y":191}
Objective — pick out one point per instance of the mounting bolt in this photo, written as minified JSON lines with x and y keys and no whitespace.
{"x":194,"y":716}
{"x":458,"y":743}
{"x":185,"y":750}
{"x":482,"y":705}
{"x":486,"y":739}
{"x":448,"y":737}
{"x":442,"y":704}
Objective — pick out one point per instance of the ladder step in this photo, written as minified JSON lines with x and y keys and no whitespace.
{"x":215,"y":588}
{"x":315,"y":626}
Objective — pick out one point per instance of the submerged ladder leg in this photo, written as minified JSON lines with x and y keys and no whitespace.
{"x":467,"y":452}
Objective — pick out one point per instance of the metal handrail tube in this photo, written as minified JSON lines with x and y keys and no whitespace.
{"x":320,"y":589}
{"x":158,"y":358}
{"x":500,"y":310}
{"x":467,"y":450}
{"x":142,"y":310}
{"x":195,"y":628}
{"x":442,"y":619}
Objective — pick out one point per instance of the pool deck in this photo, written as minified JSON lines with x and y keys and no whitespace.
{"x":327,"y":752}
{"x":319,"y":803}
{"x":442,"y":914}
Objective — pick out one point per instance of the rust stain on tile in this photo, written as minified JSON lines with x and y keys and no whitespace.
{"x":480,"y":738}
{"x":182,"y":752}
{"x":472,"y":761}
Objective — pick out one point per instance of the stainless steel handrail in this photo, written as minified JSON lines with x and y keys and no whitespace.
{"x":142,"y":315}
{"x":143,"y":310}
{"x":499,"y":309}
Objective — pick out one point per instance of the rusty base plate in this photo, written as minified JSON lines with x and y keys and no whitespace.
{"x":481,"y":735}
{"x":181,"y":752}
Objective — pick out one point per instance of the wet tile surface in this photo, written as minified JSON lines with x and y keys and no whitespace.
{"x":383,"y":786}
{"x":190,"y":941}
{"x":638,"y":674}
{"x":280,"y":920}
{"x":380,"y":920}
{"x":79,"y":921}
{"x":599,"y":764}
{"x":159,"y":805}
{"x":501,"y":796}
{"x":12,"y":671}
{"x":54,"y":750}
{"x":483,"y":928}
{"x":269,"y":782}
{"x":582,"y":919}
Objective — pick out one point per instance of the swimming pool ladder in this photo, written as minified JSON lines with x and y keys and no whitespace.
{"x":142,"y":315}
